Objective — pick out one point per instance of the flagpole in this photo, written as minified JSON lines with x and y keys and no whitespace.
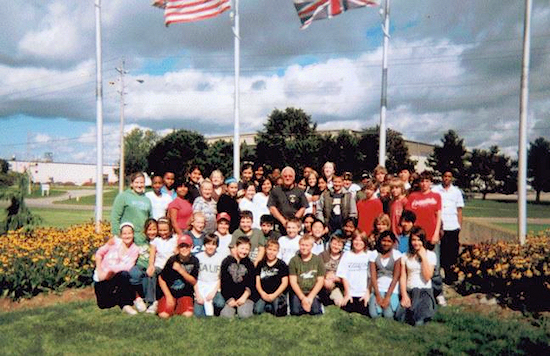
{"x":384,"y":100}
{"x":236,"y":138}
{"x":523,"y":102}
{"x":99,"y":122}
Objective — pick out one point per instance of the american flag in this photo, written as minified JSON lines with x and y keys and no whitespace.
{"x":311,"y":10}
{"x":191,"y":10}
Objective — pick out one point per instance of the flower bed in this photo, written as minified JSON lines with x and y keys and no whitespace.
{"x":518,"y":275}
{"x":48,"y":259}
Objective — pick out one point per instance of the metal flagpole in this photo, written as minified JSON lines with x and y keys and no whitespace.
{"x":99,"y":121}
{"x":236,"y":139}
{"x":121,"y":163}
{"x":523,"y":102}
{"x":384,"y":100}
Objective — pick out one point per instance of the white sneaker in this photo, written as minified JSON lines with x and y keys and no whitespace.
{"x":129,"y":310}
{"x":139,"y":304}
{"x":153,"y":308}
{"x":441,"y":300}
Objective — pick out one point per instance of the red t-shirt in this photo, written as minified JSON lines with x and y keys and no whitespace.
{"x":425,"y":206}
{"x":367,"y":211}
{"x":185,"y":210}
{"x":396,"y":209}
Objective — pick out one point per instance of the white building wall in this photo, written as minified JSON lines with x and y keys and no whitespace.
{"x":46,"y":172}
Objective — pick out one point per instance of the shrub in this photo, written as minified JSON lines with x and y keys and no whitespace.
{"x":518,"y":275}
{"x":48,"y":259}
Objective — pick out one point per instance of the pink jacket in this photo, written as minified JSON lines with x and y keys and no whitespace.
{"x":113,"y":260}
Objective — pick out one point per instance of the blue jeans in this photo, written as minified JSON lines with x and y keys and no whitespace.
{"x":218,"y":301}
{"x":437,"y":280}
{"x":277,"y":307}
{"x":144,"y":285}
{"x":375,"y":310}
{"x":296,"y":306}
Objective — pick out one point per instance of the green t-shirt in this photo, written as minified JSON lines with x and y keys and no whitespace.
{"x":306,"y":271}
{"x":256,"y":237}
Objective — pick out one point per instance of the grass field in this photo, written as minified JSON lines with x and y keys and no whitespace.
{"x":504,"y":209}
{"x":81,"y":328}
{"x":63,"y":218}
{"x":108,"y":199}
{"x":534,"y":228}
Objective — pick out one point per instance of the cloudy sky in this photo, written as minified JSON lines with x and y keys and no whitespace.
{"x":452,"y":65}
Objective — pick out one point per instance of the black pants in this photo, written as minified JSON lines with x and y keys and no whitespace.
{"x":115,"y":291}
{"x":449,"y":254}
{"x":357,"y":306}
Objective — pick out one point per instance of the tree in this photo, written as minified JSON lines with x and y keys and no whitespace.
{"x":219,"y":155}
{"x":538,"y":166}
{"x":342,"y":150}
{"x":137,"y":144}
{"x":451,"y":156}
{"x":492,"y":172}
{"x":288,"y":138}
{"x":18,"y":214}
{"x":177,"y":152}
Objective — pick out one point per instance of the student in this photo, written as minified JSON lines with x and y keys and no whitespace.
{"x":111,"y":276}
{"x":138,"y":274}
{"x":417,"y":268}
{"x":271,"y":282}
{"x":196,"y":231}
{"x":267,"y":225}
{"x":381,"y":224}
{"x":168,"y":180}
{"x":349,"y":185}
{"x":177,"y":281}
{"x":312,"y":192}
{"x":237,"y":281}
{"x":259,"y":202}
{"x":180,"y":210}
{"x":379,"y":175}
{"x":161,"y":249}
{"x":159,"y":200}
{"x":385,"y":270}
{"x":397,"y":205}
{"x":336,"y":205}
{"x":307,"y":220}
{"x":228,"y":203}
{"x":222,"y":231}
{"x":306,"y":276}
{"x":332,"y":291}
{"x":255,"y":236}
{"x":246,"y":203}
{"x":246,"y":176}
{"x":348,"y":231}
{"x":208,"y":300}
{"x":385,"y":196}
{"x":353,"y":270}
{"x":408,"y":218}
{"x":206,"y":204}
{"x":290,"y":244}
{"x":259,"y":177}
{"x":329,"y":168}
{"x":368,"y":208}
{"x":318,"y":231}
{"x":195,"y":178}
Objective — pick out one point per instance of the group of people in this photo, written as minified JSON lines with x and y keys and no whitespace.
{"x":277,"y":244}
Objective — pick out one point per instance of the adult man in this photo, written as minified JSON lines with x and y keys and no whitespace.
{"x":453,"y":202}
{"x":288,"y":200}
{"x":336,"y":205}
{"x":426,"y":204}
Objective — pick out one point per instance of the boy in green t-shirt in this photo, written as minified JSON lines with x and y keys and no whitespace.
{"x":306,"y":276}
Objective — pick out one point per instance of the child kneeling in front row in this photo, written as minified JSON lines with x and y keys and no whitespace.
{"x":306,"y":276}
{"x":208,"y":300}
{"x":271,"y":282}
{"x":237,"y":281}
{"x":177,"y":280}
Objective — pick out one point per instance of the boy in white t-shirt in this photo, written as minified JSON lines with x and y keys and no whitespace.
{"x":289,"y":244}
{"x":222,"y":231}
{"x":208,"y":299}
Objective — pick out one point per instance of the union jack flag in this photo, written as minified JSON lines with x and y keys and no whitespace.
{"x":191,"y":10}
{"x":311,"y":10}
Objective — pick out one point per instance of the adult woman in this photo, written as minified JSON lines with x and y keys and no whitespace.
{"x":132,"y":206}
{"x":207,"y":205}
{"x":217,"y":181}
{"x":228,"y":203}
{"x":260,"y":202}
{"x":180,"y":210}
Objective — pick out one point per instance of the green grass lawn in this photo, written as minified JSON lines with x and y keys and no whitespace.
{"x":531,"y":228}
{"x":81,"y":328}
{"x":505,"y":209}
{"x":108,"y":199}
{"x":63,"y":218}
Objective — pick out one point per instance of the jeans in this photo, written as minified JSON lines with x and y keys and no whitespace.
{"x":437,"y":281}
{"x":244,"y":311}
{"x":297,"y":309}
{"x":218,"y":301}
{"x":375,"y":310}
{"x":277,"y":307}
{"x":145,"y":286}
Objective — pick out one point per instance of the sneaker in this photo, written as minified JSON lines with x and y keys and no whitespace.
{"x":152,"y":308}
{"x":441,"y":300}
{"x":129,"y":310}
{"x":140,"y":305}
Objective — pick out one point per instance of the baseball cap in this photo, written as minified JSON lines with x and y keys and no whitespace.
{"x":223,"y":216}
{"x":185,"y":239}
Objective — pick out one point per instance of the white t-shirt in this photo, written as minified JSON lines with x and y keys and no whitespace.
{"x":318,"y":248}
{"x":164,"y":249}
{"x":288,"y":248}
{"x":260,"y":208}
{"x":354,"y":267}
{"x":385,"y":281}
{"x":159,"y":204}
{"x":209,"y":271}
{"x":223,"y":244}
{"x":451,"y":200}
{"x":414,"y":271}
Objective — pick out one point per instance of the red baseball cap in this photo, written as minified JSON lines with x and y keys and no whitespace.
{"x":185,"y":239}
{"x":223,"y":216}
